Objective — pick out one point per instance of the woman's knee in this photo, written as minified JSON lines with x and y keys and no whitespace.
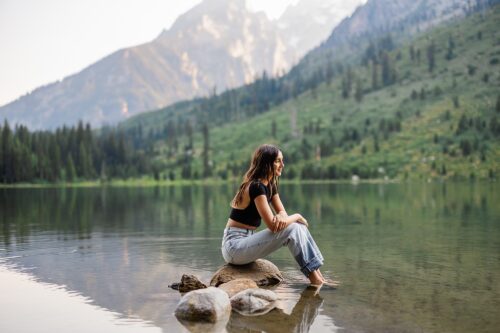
{"x":293,"y":231}
{"x":297,"y":228}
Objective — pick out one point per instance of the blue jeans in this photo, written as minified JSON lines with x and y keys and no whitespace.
{"x":241,"y":246}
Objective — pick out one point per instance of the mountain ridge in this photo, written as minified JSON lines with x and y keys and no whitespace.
{"x":157,"y":73}
{"x":217,"y":45}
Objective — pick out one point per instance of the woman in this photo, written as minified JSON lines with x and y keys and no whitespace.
{"x":259,"y":189}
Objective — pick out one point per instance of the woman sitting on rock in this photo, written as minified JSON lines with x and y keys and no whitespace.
{"x":259,"y":189}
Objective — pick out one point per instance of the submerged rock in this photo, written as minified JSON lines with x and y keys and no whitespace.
{"x":262,"y":272}
{"x":253,"y":302}
{"x":235,"y":286}
{"x":174,"y":285}
{"x":206,"y":305}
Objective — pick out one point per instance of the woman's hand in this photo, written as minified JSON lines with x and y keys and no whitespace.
{"x":302,"y":220}
{"x":279,"y":222}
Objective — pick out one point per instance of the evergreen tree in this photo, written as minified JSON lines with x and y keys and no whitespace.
{"x":370,"y":54}
{"x":374,"y":75}
{"x":186,"y":171}
{"x":1,"y":155}
{"x":122,"y":150}
{"x":495,"y":126}
{"x":386,"y":69}
{"x":25,"y":166}
{"x":329,"y":73}
{"x":359,"y":90}
{"x":207,"y":170}
{"x":7,"y":153}
{"x":386,"y":43}
{"x":103,"y":172}
{"x":55,"y":159}
{"x":376,"y":146}
{"x":431,"y":50}
{"x":70,"y":169}
{"x":85,"y":159}
{"x":462,"y":125}
{"x":345,"y":88}
{"x":451,"y":47}
{"x":423,"y":94}
{"x":189,"y":133}
{"x":83,"y":162}
{"x":171,"y":138}
{"x":466,"y":147}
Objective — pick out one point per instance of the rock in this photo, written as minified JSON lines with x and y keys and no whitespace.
{"x":253,"y":302}
{"x":189,"y":283}
{"x":261,"y":271}
{"x":298,"y":319}
{"x":235,"y":286}
{"x":206,"y":305}
{"x":174,"y":286}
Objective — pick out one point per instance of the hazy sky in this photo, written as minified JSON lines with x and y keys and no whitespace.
{"x":42,"y":41}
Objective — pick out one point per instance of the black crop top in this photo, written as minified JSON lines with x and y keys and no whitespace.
{"x":250,"y":215}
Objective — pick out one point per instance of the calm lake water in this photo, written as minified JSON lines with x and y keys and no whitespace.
{"x":411,"y":257}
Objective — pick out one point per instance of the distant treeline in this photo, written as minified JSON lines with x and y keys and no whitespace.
{"x":68,"y":154}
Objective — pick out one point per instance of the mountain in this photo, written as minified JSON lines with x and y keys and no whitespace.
{"x":427,"y":107}
{"x":309,"y":22}
{"x":395,"y":20}
{"x":350,"y":40}
{"x":216,"y":45}
{"x":381,"y":16}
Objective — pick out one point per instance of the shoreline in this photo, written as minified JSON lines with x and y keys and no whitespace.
{"x":138,"y":182}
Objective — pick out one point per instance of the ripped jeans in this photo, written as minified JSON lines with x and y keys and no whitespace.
{"x":241,"y":246}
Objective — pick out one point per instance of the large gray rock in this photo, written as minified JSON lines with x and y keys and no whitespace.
{"x":207,"y":305}
{"x":262,"y":271}
{"x":235,"y":286}
{"x":253,"y":302}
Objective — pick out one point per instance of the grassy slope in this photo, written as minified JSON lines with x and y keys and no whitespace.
{"x":408,"y":153}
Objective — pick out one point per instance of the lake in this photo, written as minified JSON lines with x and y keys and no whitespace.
{"x":410,"y":257}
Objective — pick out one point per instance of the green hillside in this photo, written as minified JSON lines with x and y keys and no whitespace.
{"x":425,"y":107}
{"x":428,"y":108}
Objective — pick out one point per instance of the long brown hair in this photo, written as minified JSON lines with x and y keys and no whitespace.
{"x":261,"y":167}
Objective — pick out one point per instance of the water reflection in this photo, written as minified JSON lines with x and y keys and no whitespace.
{"x":411,"y":257}
{"x":28,"y":306}
{"x":299,"y":320}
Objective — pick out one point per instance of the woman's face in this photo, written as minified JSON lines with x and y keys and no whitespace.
{"x":278,"y":165}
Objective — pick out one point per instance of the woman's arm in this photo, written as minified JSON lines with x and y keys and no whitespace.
{"x":266,"y":214}
{"x":278,"y":205}
{"x":280,"y":219}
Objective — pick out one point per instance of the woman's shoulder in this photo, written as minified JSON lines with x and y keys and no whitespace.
{"x":257,"y":188}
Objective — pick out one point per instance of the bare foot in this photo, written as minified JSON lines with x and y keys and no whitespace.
{"x":315,"y":278}
{"x":331,"y":283}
